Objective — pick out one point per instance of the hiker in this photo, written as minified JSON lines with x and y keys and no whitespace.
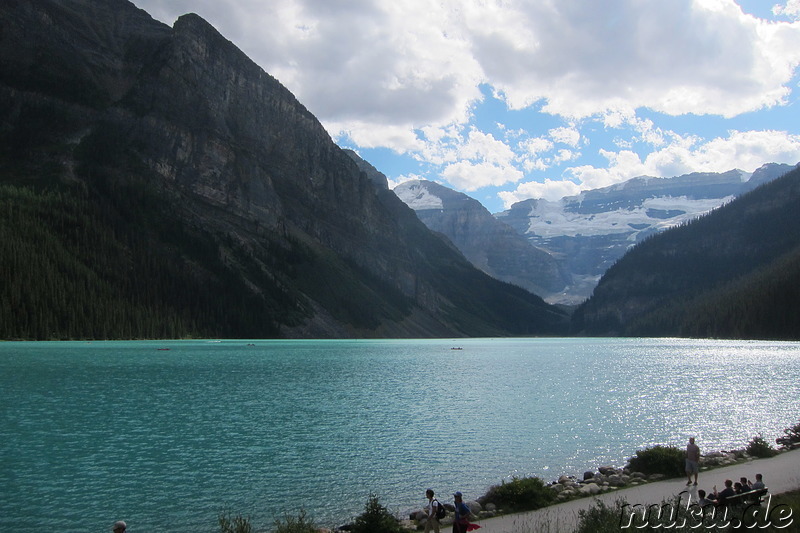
{"x":432,"y":509}
{"x":461,"y":523}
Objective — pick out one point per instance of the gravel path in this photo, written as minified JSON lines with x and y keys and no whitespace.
{"x":781,"y":474}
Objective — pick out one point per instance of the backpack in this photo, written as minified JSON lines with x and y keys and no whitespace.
{"x":440,"y":510}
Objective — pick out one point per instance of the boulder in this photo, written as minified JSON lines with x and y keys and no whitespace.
{"x":616,"y":480}
{"x":474,"y":506}
{"x":588,"y":475}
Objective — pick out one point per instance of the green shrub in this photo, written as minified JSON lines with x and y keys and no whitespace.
{"x":666,"y":460}
{"x":791,"y":436}
{"x":758,"y":447}
{"x":376,"y":519}
{"x":600,"y":518}
{"x":298,"y":524}
{"x":520,"y":494}
{"x":234,"y":524}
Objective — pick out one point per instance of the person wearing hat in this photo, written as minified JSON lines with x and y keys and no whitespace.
{"x":461,"y":522}
{"x":119,"y":527}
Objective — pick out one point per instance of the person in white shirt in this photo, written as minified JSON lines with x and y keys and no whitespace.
{"x":432,"y":523}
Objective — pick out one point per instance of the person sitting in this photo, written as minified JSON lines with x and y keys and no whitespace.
{"x":702,"y":501}
{"x":727,"y":492}
{"x":759,"y":484}
{"x":745,"y":485}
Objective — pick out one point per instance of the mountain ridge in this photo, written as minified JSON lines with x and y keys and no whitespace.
{"x":583,"y":234}
{"x":209,"y":174}
{"x":487,"y":243}
{"x":733,"y":273}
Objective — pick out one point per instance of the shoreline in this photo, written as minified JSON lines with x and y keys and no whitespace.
{"x":781,"y":474}
{"x":585,"y":492}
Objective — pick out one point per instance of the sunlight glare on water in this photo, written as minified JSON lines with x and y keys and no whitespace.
{"x":94,"y":432}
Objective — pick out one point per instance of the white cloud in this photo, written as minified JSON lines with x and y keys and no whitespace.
{"x":743,"y":150}
{"x":469,"y":176}
{"x":791,"y":9}
{"x":407,"y":75}
{"x":566,"y":135}
{"x":365,"y":65}
{"x":536,"y":145}
{"x":401,"y":139}
{"x":677,"y":57}
{"x":482,"y":146}
{"x":549,"y":190}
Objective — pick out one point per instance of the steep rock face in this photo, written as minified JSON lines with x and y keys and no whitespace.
{"x":98,"y":95}
{"x":589,"y":232}
{"x":378,"y":178}
{"x":487,"y":243}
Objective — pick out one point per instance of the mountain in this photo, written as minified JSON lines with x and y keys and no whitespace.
{"x":155,"y":182}
{"x":487,"y":243}
{"x":733,"y":273}
{"x":589,"y":232}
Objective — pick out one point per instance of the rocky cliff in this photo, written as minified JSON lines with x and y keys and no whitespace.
{"x":487,"y":243}
{"x":176,"y":137}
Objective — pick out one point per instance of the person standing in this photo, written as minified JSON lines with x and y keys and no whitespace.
{"x":692,"y":461}
{"x":432,"y":509}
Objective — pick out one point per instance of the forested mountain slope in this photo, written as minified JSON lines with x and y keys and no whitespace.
{"x":734,"y":273}
{"x":155,"y":182}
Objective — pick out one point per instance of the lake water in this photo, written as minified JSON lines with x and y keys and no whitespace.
{"x":167,"y":439}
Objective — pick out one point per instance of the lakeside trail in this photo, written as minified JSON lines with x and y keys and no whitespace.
{"x":781,"y":474}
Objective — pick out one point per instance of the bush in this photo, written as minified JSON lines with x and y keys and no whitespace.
{"x":791,"y":436}
{"x":376,"y":519}
{"x":520,"y":494}
{"x":666,"y":460}
{"x":758,"y":447}
{"x":234,"y":524}
{"x":298,"y":524}
{"x":600,"y":518}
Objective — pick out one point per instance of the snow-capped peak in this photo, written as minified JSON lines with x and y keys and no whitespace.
{"x":416,"y":195}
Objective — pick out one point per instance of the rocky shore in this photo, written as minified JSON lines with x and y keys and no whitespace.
{"x":590,"y":483}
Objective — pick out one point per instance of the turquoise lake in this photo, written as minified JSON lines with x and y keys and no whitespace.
{"x":166,"y":435}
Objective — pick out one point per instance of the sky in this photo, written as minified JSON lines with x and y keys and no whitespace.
{"x":506,"y":100}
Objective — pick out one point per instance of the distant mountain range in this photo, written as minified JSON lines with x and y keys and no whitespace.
{"x":156,"y":182}
{"x":583,"y":235}
{"x":487,"y":243}
{"x":733,"y":273}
